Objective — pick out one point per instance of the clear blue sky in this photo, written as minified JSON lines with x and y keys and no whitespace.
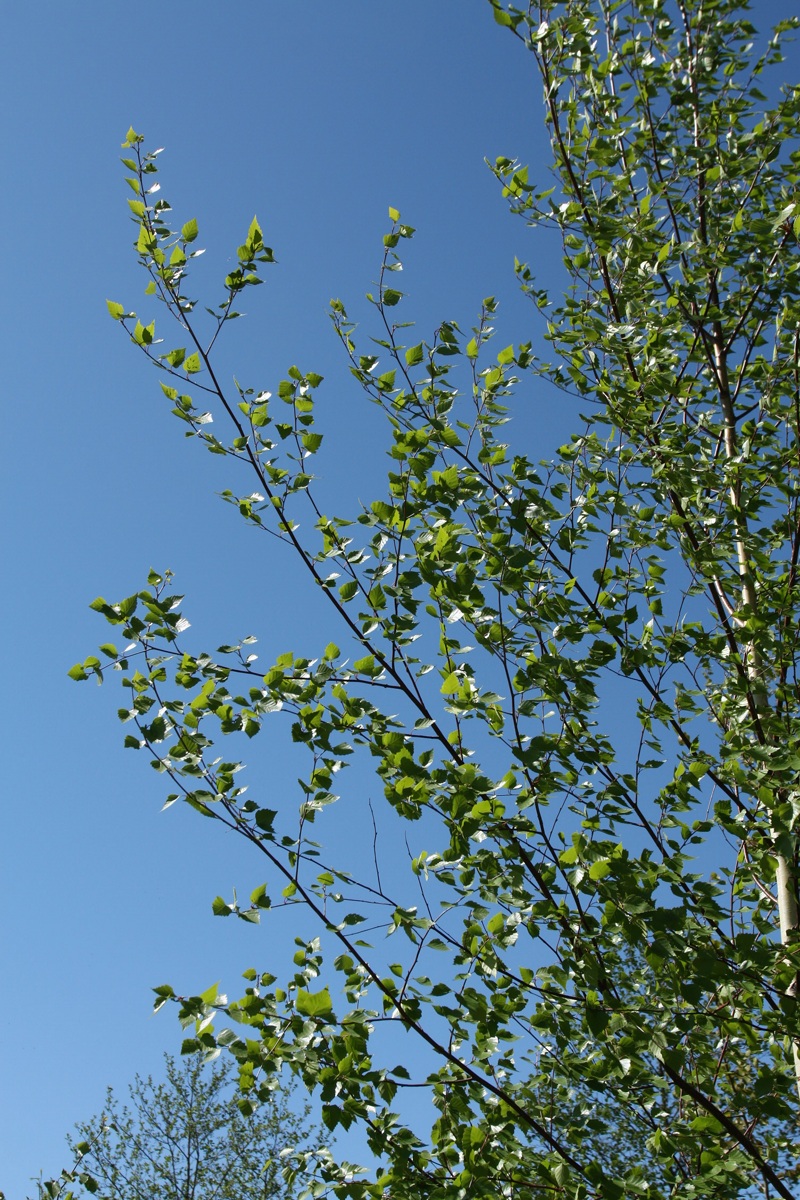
{"x":317,"y":116}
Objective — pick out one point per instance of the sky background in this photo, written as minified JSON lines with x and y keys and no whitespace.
{"x":316,"y":117}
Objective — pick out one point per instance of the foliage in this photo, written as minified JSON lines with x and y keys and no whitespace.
{"x":186,"y":1139}
{"x":576,"y":679}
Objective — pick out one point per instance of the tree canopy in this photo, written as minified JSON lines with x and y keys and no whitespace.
{"x":575,"y":679}
{"x":185,"y":1138}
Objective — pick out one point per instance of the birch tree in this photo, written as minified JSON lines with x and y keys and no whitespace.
{"x":575,"y":678}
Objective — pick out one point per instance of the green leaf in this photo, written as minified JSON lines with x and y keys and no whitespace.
{"x":211,"y":994}
{"x":189,"y":231}
{"x":163,"y":993}
{"x":146,"y":241}
{"x":313,"y":1004}
{"x":192,"y":364}
{"x":599,"y":869}
{"x":115,"y":309}
{"x":415,"y":354}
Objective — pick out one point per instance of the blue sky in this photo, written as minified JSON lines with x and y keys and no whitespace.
{"x":316,"y":117}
